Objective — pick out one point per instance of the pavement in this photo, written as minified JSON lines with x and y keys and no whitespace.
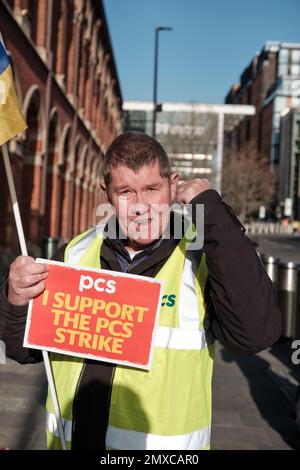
{"x":253,"y":402}
{"x":22,"y":412}
{"x":284,"y":247}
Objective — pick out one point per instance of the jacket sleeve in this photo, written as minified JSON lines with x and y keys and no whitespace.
{"x":13,"y":322}
{"x":241,"y":311}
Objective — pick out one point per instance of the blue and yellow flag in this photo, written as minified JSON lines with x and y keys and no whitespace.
{"x":11,"y":118}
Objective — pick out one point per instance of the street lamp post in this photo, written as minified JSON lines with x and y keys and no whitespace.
{"x":157,"y":30}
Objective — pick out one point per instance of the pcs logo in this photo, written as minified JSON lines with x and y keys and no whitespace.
{"x":168,"y":300}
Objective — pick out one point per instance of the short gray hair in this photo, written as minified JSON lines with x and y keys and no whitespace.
{"x":134,"y":150}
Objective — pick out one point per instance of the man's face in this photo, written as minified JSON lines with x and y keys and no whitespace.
{"x":142,"y":200}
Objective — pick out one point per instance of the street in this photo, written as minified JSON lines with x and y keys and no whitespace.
{"x":253,"y":401}
{"x":284,"y":247}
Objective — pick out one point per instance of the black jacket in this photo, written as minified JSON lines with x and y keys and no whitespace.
{"x":241,"y":310}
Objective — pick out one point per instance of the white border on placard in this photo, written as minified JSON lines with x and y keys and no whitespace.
{"x":92,"y":356}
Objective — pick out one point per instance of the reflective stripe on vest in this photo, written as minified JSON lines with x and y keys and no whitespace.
{"x":175,"y":338}
{"x":126,"y":440}
{"x":74,"y":255}
{"x":168,"y":407}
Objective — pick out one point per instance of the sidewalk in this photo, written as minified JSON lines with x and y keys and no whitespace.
{"x":22,"y":397}
{"x":252,"y":402}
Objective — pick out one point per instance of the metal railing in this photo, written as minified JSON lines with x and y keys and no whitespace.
{"x":285,"y":277}
{"x":49,"y":246}
{"x":269,"y":228}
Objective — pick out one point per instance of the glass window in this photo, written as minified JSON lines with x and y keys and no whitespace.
{"x":283,"y":56}
{"x":295,"y":57}
{"x":295,"y":69}
{"x":279,"y":104}
{"x":276,"y":120}
{"x":282,"y":69}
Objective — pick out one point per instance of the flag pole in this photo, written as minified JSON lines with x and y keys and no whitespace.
{"x":24,"y":252}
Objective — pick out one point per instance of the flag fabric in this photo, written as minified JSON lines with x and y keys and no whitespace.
{"x":11,"y":118}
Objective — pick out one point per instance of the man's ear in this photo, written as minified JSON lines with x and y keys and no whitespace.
{"x":174,"y":182}
{"x":105,"y":190}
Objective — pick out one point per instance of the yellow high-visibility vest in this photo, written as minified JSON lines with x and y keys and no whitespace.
{"x":168,"y":407}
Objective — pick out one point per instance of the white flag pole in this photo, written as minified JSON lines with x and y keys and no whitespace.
{"x":24,"y":252}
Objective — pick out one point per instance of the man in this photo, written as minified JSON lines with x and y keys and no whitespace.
{"x":221,"y":291}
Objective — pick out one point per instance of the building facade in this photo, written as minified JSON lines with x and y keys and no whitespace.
{"x":270,"y":83}
{"x":180,"y":131}
{"x":289,"y":173}
{"x":67,"y":84}
{"x":191,"y":133}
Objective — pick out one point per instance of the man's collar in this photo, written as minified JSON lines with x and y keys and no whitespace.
{"x":116,"y":238}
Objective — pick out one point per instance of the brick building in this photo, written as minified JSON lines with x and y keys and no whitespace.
{"x":289,"y":175}
{"x":67,"y":83}
{"x":270,"y":83}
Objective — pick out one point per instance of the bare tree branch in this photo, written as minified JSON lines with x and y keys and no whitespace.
{"x":247,"y":184}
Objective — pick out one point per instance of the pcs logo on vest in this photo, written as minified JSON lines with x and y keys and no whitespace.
{"x":168,"y":300}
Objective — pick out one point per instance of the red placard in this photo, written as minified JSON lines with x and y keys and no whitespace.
{"x":96,"y":314}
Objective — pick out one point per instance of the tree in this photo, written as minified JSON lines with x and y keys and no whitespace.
{"x":248,"y":183}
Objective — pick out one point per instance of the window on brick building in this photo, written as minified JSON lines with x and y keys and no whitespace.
{"x":289,"y":62}
{"x":32,"y":16}
{"x":283,"y":62}
{"x":50,"y":223}
{"x":63,"y":217}
{"x":68,"y":60}
{"x":11,"y":4}
{"x":295,"y":63}
{"x":260,"y":131}
{"x":31,"y":188}
{"x":249,"y":95}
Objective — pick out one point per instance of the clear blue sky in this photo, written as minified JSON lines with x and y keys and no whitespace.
{"x":211,"y":44}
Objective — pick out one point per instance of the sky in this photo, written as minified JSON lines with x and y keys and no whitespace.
{"x":212,"y":42}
